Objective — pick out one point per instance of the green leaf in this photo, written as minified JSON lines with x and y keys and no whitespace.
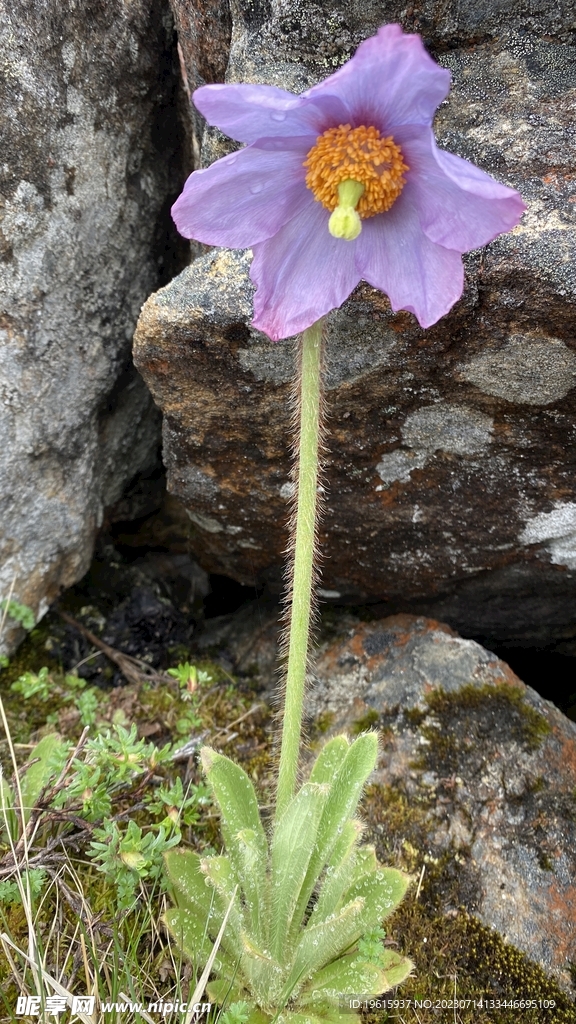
{"x":345,"y":792}
{"x":189,"y":881}
{"x":236,"y":798}
{"x":221,"y":991}
{"x":346,"y":789}
{"x":296,"y":1017}
{"x":254,"y":883}
{"x":8,"y":817}
{"x":199,"y":904}
{"x":321,"y":943}
{"x":20,"y":613}
{"x":396,"y":968}
{"x":221,"y":874}
{"x":190,"y":933}
{"x":263,"y":975}
{"x":293,"y":846}
{"x":381,"y":891}
{"x":329,"y":759}
{"x":346,"y":975}
{"x":38,"y":775}
{"x":193,"y":893}
{"x":347,"y":840}
{"x":338,"y":880}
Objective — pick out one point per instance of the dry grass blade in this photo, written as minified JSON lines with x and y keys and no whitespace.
{"x":59,"y":989}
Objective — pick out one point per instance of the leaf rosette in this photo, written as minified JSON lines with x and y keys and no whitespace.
{"x":306,"y":894}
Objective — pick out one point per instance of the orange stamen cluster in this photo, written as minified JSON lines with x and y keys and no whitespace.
{"x":363,"y":155}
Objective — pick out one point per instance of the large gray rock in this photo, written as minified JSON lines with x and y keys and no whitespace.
{"x":92,"y":153}
{"x":450,"y":485}
{"x":485,"y":768}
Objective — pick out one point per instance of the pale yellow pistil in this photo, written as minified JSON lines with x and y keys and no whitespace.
{"x":345,"y":220}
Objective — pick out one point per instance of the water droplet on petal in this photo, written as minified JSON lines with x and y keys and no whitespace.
{"x":278,"y":115}
{"x":256,"y":188}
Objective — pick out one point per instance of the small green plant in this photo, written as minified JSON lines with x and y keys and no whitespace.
{"x":237,"y":1013}
{"x":80,"y":789}
{"x":43,"y":686}
{"x":304,"y":926}
{"x":179,"y":807}
{"x":189,"y":677}
{"x":191,"y":680}
{"x":21,"y":613}
{"x":126,"y":856}
{"x":109,"y":765}
{"x":32,"y":684}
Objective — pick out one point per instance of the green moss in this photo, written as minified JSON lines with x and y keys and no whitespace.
{"x":367,"y":721}
{"x":451,"y":949}
{"x":321,"y":726}
{"x":462,"y":727}
{"x":458,"y":957}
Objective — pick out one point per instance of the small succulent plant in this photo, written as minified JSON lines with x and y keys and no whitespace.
{"x":302,"y":900}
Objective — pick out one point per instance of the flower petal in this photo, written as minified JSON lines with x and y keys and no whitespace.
{"x":245,"y":197}
{"x":394,"y":255}
{"x":251,"y":112}
{"x":301,"y":274}
{"x":390,"y":80}
{"x":460,"y":206}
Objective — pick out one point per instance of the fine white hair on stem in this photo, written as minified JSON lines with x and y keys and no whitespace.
{"x":296,"y":428}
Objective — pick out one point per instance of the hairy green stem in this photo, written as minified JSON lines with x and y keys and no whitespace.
{"x":303,"y":571}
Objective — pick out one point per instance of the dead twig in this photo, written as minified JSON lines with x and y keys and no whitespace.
{"x":133,"y":669}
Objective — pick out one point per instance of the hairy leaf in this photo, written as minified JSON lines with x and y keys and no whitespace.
{"x":342,"y":976}
{"x":254,"y":883}
{"x":329,"y":759}
{"x":190,"y":932}
{"x":263,"y":974}
{"x":338,"y":881}
{"x":349,"y":836}
{"x":38,"y":775}
{"x":221,"y":991}
{"x":345,"y":792}
{"x":321,"y":943}
{"x":236,"y":798}
{"x":220,"y":873}
{"x":381,"y":891}
{"x":183,"y":868}
{"x":396,"y":968}
{"x":293,"y":846}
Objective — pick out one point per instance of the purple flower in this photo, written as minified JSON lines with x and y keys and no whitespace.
{"x":345,"y":183}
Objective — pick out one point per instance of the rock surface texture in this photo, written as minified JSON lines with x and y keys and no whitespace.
{"x":91,"y":157}
{"x":475,"y":788}
{"x":484,"y":765}
{"x":450,"y":481}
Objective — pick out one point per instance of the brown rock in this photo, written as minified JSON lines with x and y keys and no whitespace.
{"x":450,"y":488}
{"x":487,"y":766}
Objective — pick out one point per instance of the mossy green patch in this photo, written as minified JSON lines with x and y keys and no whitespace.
{"x":464,"y":726}
{"x":459,"y":960}
{"x":367,"y":721}
{"x":456,"y":956}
